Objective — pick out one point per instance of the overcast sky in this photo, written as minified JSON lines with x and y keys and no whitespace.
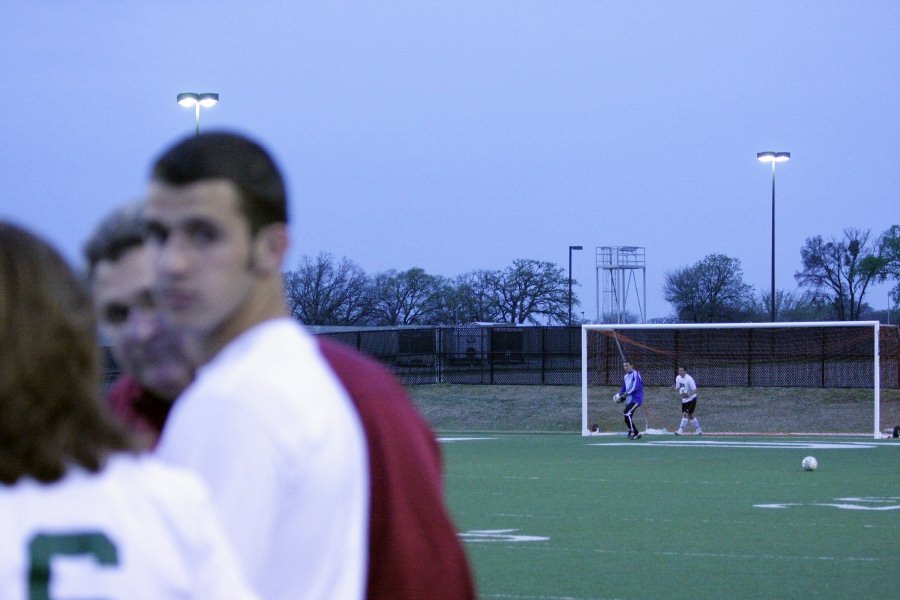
{"x":456,"y":136}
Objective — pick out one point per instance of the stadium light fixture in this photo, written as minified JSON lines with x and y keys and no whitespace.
{"x":774,"y":158}
{"x":570,"y":281}
{"x":206,"y":100}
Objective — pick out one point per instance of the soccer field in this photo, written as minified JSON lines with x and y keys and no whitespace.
{"x":554,"y":516}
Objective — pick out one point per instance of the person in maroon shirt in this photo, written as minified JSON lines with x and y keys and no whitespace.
{"x":156,"y":359}
{"x":414,"y":549}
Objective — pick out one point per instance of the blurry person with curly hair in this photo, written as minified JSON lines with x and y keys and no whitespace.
{"x":82,"y":514}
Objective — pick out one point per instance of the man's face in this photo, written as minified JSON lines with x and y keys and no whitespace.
{"x":141,"y":341}
{"x":627,"y":367}
{"x":203,"y":253}
{"x":681,"y":371}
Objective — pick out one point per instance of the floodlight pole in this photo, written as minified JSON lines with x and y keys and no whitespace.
{"x":569,"y":322}
{"x":772,"y":298}
{"x":197,"y":113}
{"x":773,"y":157}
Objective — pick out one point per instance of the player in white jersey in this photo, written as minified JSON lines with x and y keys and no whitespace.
{"x":137,"y":529}
{"x":279,"y":443}
{"x":83,"y":515}
{"x":687,"y":390}
{"x":266,"y":424}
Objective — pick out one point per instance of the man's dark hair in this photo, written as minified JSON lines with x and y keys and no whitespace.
{"x":119,"y":232}
{"x":235,"y":158}
{"x":51,"y":416}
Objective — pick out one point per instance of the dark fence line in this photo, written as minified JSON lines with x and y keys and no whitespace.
{"x":472,"y":354}
{"x":537,"y":355}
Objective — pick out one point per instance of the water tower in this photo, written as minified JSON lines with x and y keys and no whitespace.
{"x":618,"y":288}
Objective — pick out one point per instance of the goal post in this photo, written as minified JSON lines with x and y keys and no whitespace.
{"x":766,"y":378}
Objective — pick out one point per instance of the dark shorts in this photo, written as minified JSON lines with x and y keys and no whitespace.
{"x":689,"y":407}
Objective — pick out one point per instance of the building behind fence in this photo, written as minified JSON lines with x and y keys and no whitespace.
{"x":475,"y":354}
{"x":534,"y":355}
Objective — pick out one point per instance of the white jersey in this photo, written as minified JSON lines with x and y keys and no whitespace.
{"x":137,"y":530}
{"x":686,"y":385}
{"x":275,"y":436}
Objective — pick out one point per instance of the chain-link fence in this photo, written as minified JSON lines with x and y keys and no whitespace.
{"x":552,"y":356}
{"x":473,"y":354}
{"x":477,"y":354}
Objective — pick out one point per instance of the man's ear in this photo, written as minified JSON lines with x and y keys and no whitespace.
{"x":269,"y":247}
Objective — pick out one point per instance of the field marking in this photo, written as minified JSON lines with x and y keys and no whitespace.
{"x":521,"y":597}
{"x":505,"y":536}
{"x":730,"y":556}
{"x":811,"y":445}
{"x":447,"y":440}
{"x":888,"y":503}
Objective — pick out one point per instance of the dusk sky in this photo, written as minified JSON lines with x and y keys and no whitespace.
{"x":456,"y":136}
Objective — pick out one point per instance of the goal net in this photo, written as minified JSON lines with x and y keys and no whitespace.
{"x":765,"y":378}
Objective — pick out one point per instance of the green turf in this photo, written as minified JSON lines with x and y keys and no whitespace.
{"x":644,"y":520}
{"x":547,"y":408}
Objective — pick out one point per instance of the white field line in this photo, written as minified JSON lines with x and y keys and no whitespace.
{"x":531,"y":597}
{"x":747,"y":556}
{"x":785,"y":445}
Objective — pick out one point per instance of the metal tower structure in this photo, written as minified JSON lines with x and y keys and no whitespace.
{"x":617,"y":283}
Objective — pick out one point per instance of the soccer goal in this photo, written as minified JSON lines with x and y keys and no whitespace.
{"x":753,"y":378}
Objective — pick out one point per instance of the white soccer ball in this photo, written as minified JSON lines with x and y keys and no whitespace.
{"x":810,"y":463}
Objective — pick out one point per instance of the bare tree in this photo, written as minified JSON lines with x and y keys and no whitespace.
{"x":447,"y":303}
{"x":477,"y":296}
{"x":840,"y":270}
{"x":712,"y":290}
{"x":531,"y":290}
{"x":790,"y":306}
{"x":890,"y":252}
{"x":411,"y":297}
{"x":326,"y":292}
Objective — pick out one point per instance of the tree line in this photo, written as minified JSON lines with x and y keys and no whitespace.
{"x":833,"y":281}
{"x":328,"y":291}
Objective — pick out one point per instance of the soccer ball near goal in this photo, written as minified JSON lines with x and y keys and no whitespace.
{"x":810,"y":463}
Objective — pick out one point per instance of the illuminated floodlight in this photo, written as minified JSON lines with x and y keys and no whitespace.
{"x":768,"y":157}
{"x":189,"y":99}
{"x":211,"y":99}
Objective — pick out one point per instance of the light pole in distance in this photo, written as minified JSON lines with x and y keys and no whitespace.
{"x":569,"y":322}
{"x":189,"y":99}
{"x":774,"y":158}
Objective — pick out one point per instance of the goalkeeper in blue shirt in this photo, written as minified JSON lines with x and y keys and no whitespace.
{"x":633,"y":391}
